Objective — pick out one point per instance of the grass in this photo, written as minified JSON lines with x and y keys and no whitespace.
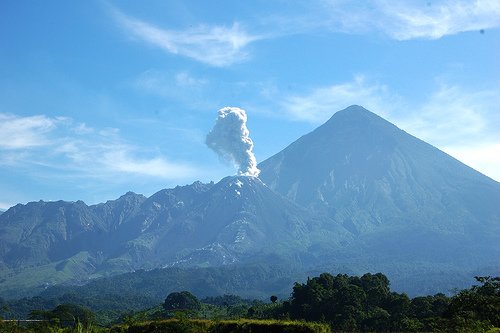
{"x":38,"y":278}
{"x":185,"y":325}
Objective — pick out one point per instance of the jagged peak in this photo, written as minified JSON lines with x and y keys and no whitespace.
{"x":240,"y":181}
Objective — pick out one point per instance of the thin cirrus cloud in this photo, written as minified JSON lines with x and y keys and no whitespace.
{"x":463,"y":124}
{"x":453,"y":115}
{"x":459,"y":121}
{"x":222,"y":46}
{"x":24,"y":132}
{"x":85,"y":152}
{"x":405,"y":20}
{"x":317,"y":106}
{"x":217,"y":46}
{"x":122,"y":161}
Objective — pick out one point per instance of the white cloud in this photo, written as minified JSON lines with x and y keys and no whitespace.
{"x":24,"y":132}
{"x":461,"y":122}
{"x":63,"y":146}
{"x":121,"y":160}
{"x":484,"y":157}
{"x":213,"y":45}
{"x":440,"y":19}
{"x":453,"y":115}
{"x":403,"y":20}
{"x":321,"y":103}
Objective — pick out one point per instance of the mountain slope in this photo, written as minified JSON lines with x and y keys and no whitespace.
{"x":218,"y":224}
{"x":405,"y":199}
{"x":355,"y":195}
{"x":238,"y":220}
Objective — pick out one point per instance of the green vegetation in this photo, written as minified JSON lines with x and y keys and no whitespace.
{"x":183,"y":300}
{"x":341,"y":303}
{"x":224,"y":326}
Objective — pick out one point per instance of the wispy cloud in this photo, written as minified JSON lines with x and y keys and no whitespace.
{"x":436,"y":19}
{"x":24,"y":132}
{"x":454,"y":115}
{"x":219,"y":45}
{"x":460,"y":121}
{"x":319,"y":104}
{"x":122,"y":160}
{"x":213,"y":45}
{"x":77,"y":150}
{"x":404,"y":20}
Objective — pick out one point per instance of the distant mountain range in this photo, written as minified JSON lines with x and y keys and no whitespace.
{"x":357,"y":194}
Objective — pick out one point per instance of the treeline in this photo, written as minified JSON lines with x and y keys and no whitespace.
{"x":106,"y":307}
{"x":351,"y":303}
{"x":341,"y":302}
{"x":111,"y":297}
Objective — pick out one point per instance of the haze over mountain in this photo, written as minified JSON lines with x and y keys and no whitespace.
{"x":357,"y":194}
{"x":406,"y":201}
{"x":237,"y":220}
{"x":374,"y":178}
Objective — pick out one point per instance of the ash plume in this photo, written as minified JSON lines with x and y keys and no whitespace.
{"x":229,"y":138}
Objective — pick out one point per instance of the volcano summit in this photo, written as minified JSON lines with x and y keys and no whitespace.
{"x":355,"y":195}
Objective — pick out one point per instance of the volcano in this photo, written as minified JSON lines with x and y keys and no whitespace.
{"x":408,"y":203}
{"x":355,"y":195}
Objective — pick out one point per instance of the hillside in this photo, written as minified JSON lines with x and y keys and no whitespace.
{"x":407,"y":202}
{"x":355,"y":195}
{"x":238,"y":220}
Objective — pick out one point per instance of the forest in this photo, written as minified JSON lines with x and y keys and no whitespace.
{"x":325,"y":303}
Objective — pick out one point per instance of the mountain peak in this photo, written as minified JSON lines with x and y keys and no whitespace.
{"x":240,"y":180}
{"x":357,"y":157}
{"x":240,"y":185}
{"x":353,"y":109}
{"x":356,"y":116}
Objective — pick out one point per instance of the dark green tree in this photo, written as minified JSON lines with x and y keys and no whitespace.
{"x":365,"y":303}
{"x":336,"y":299}
{"x":67,"y":315}
{"x":478,"y":304}
{"x":183,"y":300}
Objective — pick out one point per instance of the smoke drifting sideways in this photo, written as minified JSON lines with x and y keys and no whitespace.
{"x":229,"y":138}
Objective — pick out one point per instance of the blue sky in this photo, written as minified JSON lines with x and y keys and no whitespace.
{"x":98,"y":98}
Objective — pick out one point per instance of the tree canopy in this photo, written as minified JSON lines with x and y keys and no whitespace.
{"x":182,"y":300}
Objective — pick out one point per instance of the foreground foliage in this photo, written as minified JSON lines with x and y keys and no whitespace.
{"x":225,"y":326}
{"x":341,"y":303}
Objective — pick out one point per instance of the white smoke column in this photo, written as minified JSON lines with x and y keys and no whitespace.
{"x":229,"y":139}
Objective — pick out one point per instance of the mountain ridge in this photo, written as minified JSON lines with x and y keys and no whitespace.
{"x":356,"y":194}
{"x":237,"y":220}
